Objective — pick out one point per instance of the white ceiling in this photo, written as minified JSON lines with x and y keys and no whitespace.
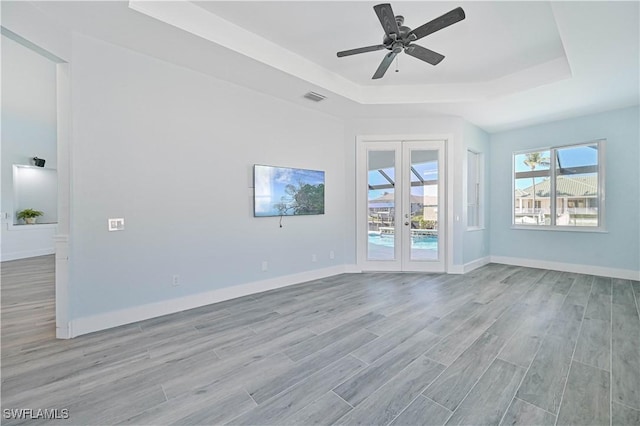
{"x":508,"y":64}
{"x":524,"y":35}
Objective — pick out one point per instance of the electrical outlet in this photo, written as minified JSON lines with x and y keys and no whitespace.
{"x":175,"y":280}
{"x":332,"y":255}
{"x":314,"y":258}
{"x":116,"y":224}
{"x":265,"y":266}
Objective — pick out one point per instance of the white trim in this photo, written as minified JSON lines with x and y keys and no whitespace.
{"x":475,"y":229}
{"x":553,"y":152}
{"x":31,"y":46}
{"x":62,"y":279}
{"x":475,"y":264}
{"x":626,"y":274}
{"x":62,"y":239}
{"x":456,"y":269}
{"x":106,"y":320}
{"x":480,"y":202}
{"x":448,"y":146}
{"x":561,"y":228}
{"x":449,"y":159}
{"x":352,"y":269}
{"x":469,"y":266}
{"x":32,"y":227}
{"x":27,"y":253}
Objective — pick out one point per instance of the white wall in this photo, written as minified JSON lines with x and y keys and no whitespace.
{"x":615,"y":252}
{"x":28,"y":130}
{"x":171,"y":151}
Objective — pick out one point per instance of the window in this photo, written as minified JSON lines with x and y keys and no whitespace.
{"x":560,"y":187}
{"x":474,"y":189}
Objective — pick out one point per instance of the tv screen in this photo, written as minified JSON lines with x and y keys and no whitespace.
{"x":283,"y":191}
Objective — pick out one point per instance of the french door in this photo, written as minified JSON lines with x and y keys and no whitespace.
{"x":401,"y":206}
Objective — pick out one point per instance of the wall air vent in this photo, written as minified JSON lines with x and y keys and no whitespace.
{"x":316,"y":97}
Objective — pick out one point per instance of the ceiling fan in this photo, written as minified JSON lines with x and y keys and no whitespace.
{"x":398,"y":37}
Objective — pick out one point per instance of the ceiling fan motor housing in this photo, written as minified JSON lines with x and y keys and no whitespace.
{"x":402,"y":38}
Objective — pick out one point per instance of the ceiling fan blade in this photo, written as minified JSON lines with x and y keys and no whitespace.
{"x":384,"y":65}
{"x":437,"y":24}
{"x":424,"y":54}
{"x":387,"y":19}
{"x":361,"y":50}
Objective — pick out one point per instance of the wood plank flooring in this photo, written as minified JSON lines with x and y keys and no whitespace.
{"x":500,"y":345}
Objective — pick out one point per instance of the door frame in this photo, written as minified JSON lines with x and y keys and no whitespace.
{"x":31,"y":40}
{"x":61,"y":239}
{"x":361,"y":201}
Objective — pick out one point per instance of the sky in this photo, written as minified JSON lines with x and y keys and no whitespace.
{"x":428,"y":170}
{"x":270,"y":183}
{"x":569,"y":157}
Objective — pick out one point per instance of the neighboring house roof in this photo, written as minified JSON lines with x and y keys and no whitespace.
{"x":567,"y":186}
{"x":415,"y":199}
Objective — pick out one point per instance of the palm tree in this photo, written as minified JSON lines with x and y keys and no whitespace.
{"x":533,"y":160}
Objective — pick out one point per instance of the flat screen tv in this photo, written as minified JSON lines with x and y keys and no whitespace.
{"x":283,"y":191}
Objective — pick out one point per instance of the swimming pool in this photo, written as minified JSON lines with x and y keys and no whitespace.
{"x":427,"y":243}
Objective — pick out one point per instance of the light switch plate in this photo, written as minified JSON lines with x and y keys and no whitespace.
{"x":116,"y":224}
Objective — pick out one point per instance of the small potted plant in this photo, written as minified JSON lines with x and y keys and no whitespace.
{"x":29,"y":215}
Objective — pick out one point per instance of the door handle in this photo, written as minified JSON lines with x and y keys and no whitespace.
{"x":406,"y":223}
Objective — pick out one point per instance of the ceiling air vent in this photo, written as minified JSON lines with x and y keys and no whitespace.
{"x":316,"y":97}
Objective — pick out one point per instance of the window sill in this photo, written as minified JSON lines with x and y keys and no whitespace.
{"x":559,"y":228}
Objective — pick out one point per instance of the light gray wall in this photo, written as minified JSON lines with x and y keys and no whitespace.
{"x":171,"y":151}
{"x":28,"y":130}
{"x":477,"y":242}
{"x":619,"y":246}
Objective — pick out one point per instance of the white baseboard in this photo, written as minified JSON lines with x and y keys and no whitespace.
{"x":27,"y":253}
{"x":85,"y":325}
{"x":63,"y":332}
{"x":456,"y":269}
{"x":352,"y":269}
{"x":475,"y":264}
{"x":468,"y":267}
{"x":626,"y":274}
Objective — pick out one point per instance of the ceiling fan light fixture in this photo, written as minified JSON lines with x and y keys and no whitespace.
{"x":313,"y":96}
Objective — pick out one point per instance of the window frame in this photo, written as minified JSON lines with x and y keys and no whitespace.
{"x":601,"y":227}
{"x":479,"y":156}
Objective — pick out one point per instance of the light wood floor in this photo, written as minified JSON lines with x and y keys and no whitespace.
{"x":500,"y":345}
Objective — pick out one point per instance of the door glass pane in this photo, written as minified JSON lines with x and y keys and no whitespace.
{"x":424,"y":204}
{"x":381,"y":205}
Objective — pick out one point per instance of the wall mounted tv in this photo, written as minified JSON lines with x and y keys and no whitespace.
{"x":283,"y":191}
